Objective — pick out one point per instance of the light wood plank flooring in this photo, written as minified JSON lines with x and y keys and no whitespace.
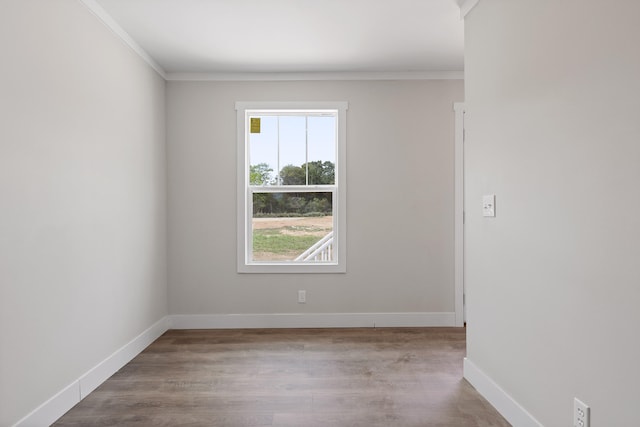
{"x":292,"y":377}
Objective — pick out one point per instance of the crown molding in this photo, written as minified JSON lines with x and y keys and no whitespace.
{"x":409,"y":75}
{"x":110,"y":23}
{"x":466,"y":6}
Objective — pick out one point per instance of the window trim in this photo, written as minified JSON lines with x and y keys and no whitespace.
{"x":243,"y":192}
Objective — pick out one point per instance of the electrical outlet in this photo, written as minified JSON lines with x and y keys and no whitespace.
{"x":581,"y":413}
{"x":302,"y":297}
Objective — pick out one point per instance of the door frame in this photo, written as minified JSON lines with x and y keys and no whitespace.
{"x":460,"y":309}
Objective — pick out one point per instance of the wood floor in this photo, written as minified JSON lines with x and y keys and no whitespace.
{"x":292,"y":377}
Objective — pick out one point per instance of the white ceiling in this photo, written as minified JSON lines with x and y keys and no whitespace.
{"x":294,"y":36}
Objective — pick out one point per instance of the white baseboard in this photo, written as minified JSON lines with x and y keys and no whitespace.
{"x":47,"y":413}
{"x":312,"y":320}
{"x":52,"y":409}
{"x":503,"y":402}
{"x":109,"y":366}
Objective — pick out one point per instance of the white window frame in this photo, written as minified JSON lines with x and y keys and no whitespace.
{"x":245,"y":195}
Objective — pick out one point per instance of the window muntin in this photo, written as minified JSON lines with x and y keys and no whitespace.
{"x":291,"y":199}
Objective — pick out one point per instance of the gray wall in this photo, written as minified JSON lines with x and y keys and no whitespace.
{"x":400,"y":200}
{"x":553,"y":101}
{"x":82,"y":196}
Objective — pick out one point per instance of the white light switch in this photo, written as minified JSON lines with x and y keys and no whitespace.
{"x":489,"y":205}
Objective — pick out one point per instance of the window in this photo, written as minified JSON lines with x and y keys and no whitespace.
{"x":291,"y":187}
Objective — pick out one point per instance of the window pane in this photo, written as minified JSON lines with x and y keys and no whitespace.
{"x":292,"y":227}
{"x":293,"y":150}
{"x":321,"y":149}
{"x":263,"y":151}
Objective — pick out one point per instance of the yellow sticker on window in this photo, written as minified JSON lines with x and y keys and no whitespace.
{"x":255,"y":124}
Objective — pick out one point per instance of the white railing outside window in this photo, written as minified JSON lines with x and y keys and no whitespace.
{"x":322,"y":250}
